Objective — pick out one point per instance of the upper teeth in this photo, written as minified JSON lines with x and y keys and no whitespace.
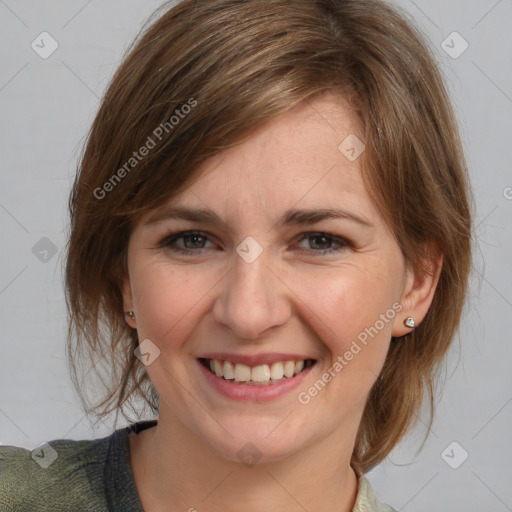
{"x":262,"y":373}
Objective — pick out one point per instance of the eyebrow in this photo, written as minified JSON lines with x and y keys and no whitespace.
{"x":316,"y":215}
{"x":291,"y":216}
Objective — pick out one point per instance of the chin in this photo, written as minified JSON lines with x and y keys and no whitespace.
{"x":251,"y":444}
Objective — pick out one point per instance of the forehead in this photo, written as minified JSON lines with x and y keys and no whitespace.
{"x":298,"y":157}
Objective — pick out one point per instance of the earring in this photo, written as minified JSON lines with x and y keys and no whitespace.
{"x":409,"y":322}
{"x":131,"y":314}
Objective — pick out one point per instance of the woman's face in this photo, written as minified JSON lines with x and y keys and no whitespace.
{"x":276,"y":253}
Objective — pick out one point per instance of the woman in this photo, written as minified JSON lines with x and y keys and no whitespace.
{"x":270,"y":243}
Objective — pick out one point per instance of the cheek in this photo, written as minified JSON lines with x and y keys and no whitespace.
{"x":169,"y":301}
{"x":351,"y":308}
{"x":344,"y":311}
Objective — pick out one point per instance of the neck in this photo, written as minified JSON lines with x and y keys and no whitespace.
{"x":171,"y":465}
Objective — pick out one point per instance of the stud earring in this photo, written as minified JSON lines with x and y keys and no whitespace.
{"x":131,"y":314}
{"x":409,"y":322}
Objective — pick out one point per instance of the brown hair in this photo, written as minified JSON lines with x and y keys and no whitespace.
{"x":238,"y":64}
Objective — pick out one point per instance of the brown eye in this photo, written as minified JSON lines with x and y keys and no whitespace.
{"x":322,"y":243}
{"x":186,"y":242}
{"x":194,"y":241}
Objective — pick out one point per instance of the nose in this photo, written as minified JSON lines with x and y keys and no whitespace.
{"x":252,"y":299}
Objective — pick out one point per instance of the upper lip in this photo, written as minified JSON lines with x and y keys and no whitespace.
{"x":254,"y":359}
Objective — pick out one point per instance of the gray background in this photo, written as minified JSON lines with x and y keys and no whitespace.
{"x":47,"y":105}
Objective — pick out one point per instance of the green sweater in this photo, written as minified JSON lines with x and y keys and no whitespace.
{"x":91,"y":476}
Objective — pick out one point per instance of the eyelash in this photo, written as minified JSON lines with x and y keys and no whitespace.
{"x":173,"y":237}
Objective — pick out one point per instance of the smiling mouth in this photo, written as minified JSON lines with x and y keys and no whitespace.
{"x":260,"y":375}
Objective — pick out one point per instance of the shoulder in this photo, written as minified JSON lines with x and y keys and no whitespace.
{"x":367,"y":501}
{"x":55,"y":474}
{"x":68,"y":475}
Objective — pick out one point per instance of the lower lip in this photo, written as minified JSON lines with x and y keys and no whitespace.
{"x":238,"y":391}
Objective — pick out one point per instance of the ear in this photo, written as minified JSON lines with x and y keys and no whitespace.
{"x":128,"y":300}
{"x":418,"y":293}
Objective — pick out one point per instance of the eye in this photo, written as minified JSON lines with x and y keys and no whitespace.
{"x":323,"y":243}
{"x":195,"y":242}
{"x":186,"y":242}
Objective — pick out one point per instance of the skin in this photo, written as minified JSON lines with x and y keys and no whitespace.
{"x":292,"y":299}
